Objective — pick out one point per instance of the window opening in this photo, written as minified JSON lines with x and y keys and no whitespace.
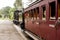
{"x":52,"y":10}
{"x":27,"y":16}
{"x":36,"y":13}
{"x":30,"y":15}
{"x":59,"y":9}
{"x":44,"y":13}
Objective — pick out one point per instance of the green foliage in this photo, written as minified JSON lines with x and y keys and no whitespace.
{"x":7,"y":12}
{"x":18,"y":3}
{"x":11,"y":13}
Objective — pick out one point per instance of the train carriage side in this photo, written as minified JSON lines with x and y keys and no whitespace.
{"x":43,"y":18}
{"x":58,"y":21}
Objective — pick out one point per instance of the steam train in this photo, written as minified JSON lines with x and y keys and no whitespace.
{"x":42,"y":18}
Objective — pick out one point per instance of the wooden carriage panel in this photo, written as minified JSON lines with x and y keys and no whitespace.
{"x":43,"y":29}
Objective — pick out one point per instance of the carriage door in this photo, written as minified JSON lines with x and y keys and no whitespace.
{"x":58,"y":22}
{"x":36,"y":15}
{"x":36,"y":20}
{"x":59,"y":9}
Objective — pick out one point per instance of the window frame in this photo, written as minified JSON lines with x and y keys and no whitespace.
{"x":36,"y":12}
{"x":44,"y":19}
{"x":50,"y":17}
{"x":58,"y":9}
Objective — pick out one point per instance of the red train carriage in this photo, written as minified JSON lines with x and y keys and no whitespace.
{"x":43,"y":19}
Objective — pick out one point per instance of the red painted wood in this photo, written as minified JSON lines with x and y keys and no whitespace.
{"x":43,"y":29}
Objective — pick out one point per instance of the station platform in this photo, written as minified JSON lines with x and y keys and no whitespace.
{"x":10,"y":31}
{"x":26,"y":34}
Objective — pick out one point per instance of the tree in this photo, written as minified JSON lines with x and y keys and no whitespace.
{"x":18,"y":4}
{"x":5,"y":11}
{"x":11,"y":12}
{"x":30,"y":0}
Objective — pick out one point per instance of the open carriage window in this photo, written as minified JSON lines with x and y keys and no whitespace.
{"x":59,"y":9}
{"x":30,"y":15}
{"x":52,"y":11}
{"x":36,"y":13}
{"x":44,"y":13}
{"x":26,"y":15}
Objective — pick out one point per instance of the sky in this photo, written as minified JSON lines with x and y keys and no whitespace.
{"x":4,"y":3}
{"x":25,"y":3}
